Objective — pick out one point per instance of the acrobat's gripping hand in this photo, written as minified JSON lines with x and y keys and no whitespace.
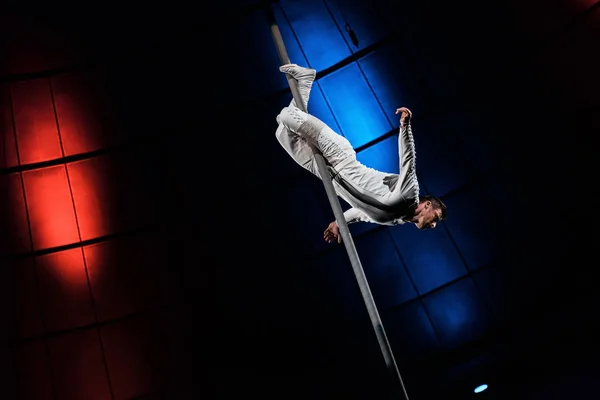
{"x":405,"y":115}
{"x":332,"y":233}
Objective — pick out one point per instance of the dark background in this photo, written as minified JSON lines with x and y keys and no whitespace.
{"x":157,"y":243}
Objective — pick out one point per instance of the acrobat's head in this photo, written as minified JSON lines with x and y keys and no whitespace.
{"x":429,"y":212}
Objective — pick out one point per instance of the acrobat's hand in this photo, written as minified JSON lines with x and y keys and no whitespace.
{"x":332,"y":233}
{"x":405,"y":115}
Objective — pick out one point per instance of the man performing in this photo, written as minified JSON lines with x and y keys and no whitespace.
{"x":374,"y":196}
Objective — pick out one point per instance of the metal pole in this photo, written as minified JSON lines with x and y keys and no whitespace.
{"x":341,"y":221}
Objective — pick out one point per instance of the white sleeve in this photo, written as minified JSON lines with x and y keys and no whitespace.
{"x":353,"y":215}
{"x":408,"y":186}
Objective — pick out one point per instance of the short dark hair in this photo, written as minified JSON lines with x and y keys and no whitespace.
{"x":437,"y":203}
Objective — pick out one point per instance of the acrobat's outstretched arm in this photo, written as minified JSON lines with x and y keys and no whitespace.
{"x":407,"y":185}
{"x":352,"y":215}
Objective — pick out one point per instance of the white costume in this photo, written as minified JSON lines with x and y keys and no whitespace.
{"x":375,"y":196}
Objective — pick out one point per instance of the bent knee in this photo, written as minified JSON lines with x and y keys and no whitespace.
{"x":292,"y":118}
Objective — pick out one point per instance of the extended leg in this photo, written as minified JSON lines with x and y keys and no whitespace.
{"x":294,"y":144}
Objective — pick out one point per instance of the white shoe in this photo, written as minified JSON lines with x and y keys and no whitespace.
{"x":305,"y":78}
{"x":299,"y":73}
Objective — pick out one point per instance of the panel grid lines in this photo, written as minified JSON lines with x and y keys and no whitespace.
{"x":419,"y":296}
{"x":85,"y":264}
{"x":36,"y":278}
{"x":308,"y":64}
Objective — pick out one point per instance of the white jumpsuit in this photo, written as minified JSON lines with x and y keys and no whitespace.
{"x":374,"y":196}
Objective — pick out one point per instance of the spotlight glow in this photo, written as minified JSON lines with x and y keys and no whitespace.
{"x":480,"y":388}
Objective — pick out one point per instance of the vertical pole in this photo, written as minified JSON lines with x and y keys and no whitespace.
{"x":341,"y":221}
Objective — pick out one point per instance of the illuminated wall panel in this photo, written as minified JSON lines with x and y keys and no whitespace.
{"x":354,"y":105}
{"x":430,"y":256}
{"x":110,"y":268}
{"x":365,"y":19}
{"x":319,"y":107}
{"x":126,"y":346}
{"x":392,"y":15}
{"x":34,"y":380}
{"x":409,"y":330}
{"x":107,"y":193}
{"x":35,"y":121}
{"x":317,"y":33}
{"x":125,"y":277}
{"x":8,"y":147}
{"x":49,"y":301}
{"x":458,"y":313}
{"x":64,"y":290}
{"x":50,"y":207}
{"x":78,"y":366}
{"x":92,"y":183}
{"x":14,"y":231}
{"x":389,"y":281}
{"x":383,"y":156}
{"x":80,"y":110}
{"x":394,"y":81}
{"x":23,"y":295}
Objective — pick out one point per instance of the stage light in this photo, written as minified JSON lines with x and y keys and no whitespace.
{"x":480,"y":388}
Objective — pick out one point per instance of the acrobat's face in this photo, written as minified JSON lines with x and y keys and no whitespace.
{"x":427,"y":215}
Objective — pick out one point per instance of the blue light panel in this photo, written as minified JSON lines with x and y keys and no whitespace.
{"x":458,"y":313}
{"x":352,"y":101}
{"x":384,"y":269}
{"x":430,"y":256}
